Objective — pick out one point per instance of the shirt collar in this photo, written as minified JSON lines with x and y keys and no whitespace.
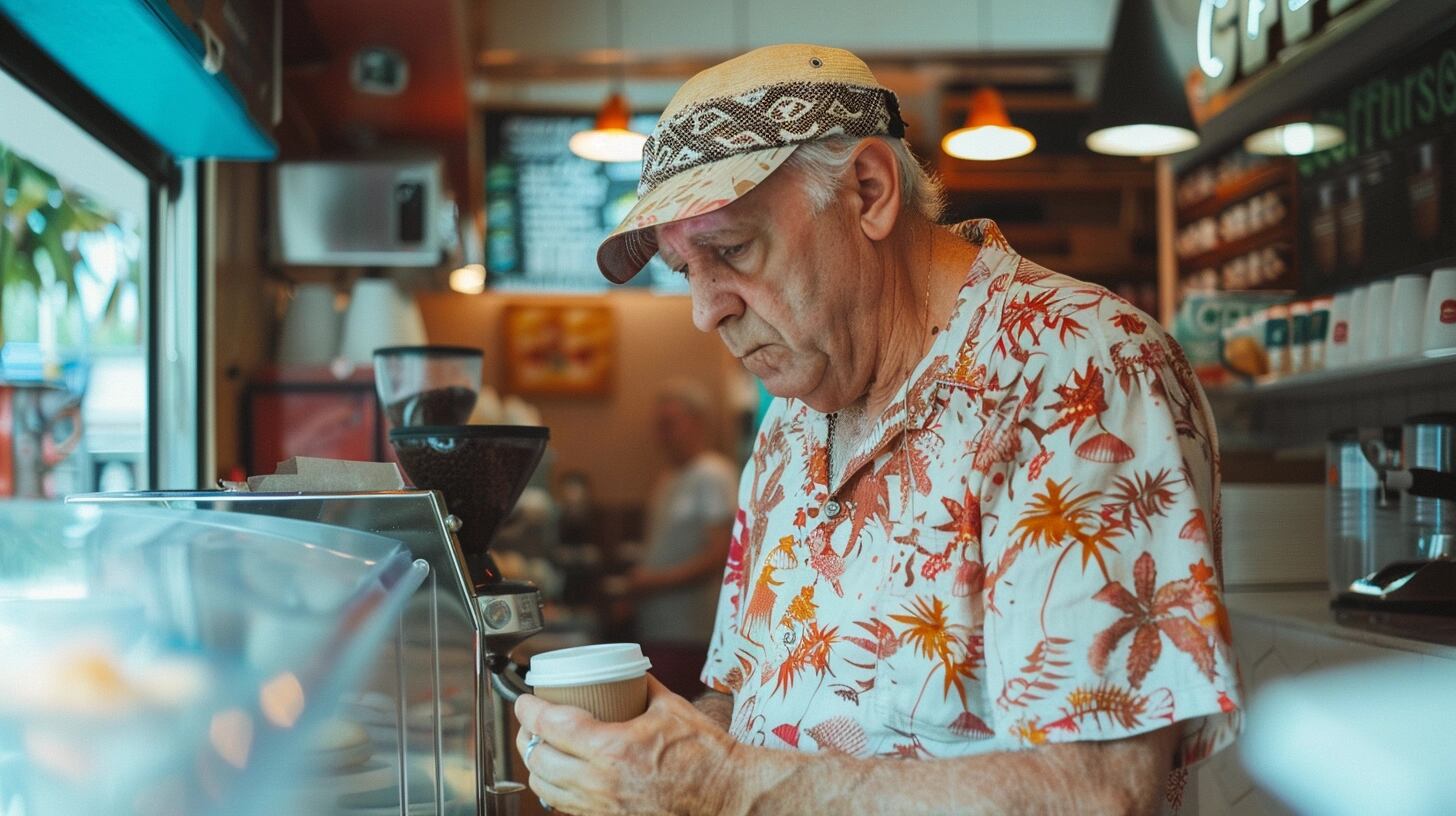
{"x":939,"y":365}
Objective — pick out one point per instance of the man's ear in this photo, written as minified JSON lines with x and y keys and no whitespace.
{"x":877,"y":188}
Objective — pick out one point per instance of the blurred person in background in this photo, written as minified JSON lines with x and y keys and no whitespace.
{"x":689,"y":524}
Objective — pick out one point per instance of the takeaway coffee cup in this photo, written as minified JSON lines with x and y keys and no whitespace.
{"x":609,"y":680}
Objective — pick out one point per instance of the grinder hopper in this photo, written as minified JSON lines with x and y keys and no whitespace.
{"x":481,"y":471}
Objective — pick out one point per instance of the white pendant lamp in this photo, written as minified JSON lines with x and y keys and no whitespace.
{"x":1142,"y":109}
{"x":1295,"y":139}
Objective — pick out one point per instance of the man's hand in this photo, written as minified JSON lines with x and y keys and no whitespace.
{"x":677,"y":759}
{"x":671,"y":760}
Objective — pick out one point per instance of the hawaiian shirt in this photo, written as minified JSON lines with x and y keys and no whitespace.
{"x":1024,"y":551}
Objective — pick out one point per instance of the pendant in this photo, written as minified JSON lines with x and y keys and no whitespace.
{"x":831,"y":509}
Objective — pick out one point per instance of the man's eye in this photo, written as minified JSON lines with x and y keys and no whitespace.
{"x":728,"y":253}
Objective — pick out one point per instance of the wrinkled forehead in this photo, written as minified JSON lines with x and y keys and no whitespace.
{"x":689,"y":230}
{"x":754,"y":208}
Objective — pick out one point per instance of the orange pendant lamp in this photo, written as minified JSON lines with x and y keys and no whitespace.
{"x":988,"y":134}
{"x":611,"y":139}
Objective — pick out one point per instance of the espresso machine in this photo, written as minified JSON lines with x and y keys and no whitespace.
{"x":1414,"y":490}
{"x":437,"y":701}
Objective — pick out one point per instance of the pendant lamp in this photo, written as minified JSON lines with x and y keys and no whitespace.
{"x":611,"y":138}
{"x":1297,"y":138}
{"x":988,"y":134}
{"x":1142,"y":109}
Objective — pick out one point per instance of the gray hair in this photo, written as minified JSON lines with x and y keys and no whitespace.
{"x":693,"y":396}
{"x":821,"y":165}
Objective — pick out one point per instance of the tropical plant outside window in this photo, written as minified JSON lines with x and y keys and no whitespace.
{"x":70,"y":268}
{"x":73,"y":314}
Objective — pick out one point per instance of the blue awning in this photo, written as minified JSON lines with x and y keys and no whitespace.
{"x":138,"y":57}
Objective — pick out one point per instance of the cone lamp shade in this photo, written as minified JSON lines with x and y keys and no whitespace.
{"x":1142,"y":109}
{"x":988,"y":134}
{"x":610,"y":140}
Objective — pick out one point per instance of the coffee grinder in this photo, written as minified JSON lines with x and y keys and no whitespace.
{"x":480,"y":470}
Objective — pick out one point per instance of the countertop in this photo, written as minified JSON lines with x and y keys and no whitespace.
{"x":1309,"y":611}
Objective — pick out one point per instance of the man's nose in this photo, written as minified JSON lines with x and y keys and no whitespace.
{"x":715,"y":301}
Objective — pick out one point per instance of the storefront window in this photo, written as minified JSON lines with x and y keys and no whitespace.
{"x":73,"y":306}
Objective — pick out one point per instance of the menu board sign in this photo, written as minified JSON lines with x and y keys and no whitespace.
{"x":548,"y":209}
{"x":1383,"y":201}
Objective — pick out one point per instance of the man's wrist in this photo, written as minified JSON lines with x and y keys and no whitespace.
{"x":734,"y":781}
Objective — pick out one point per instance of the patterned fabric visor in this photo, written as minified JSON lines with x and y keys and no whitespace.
{"x":778,"y":115}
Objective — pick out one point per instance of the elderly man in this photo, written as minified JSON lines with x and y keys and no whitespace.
{"x":975,"y":567}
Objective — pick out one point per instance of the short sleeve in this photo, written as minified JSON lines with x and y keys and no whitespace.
{"x":1104,"y":611}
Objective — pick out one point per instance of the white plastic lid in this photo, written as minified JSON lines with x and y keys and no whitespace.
{"x":584,"y":665}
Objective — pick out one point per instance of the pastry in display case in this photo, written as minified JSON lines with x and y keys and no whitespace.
{"x":186,"y":661}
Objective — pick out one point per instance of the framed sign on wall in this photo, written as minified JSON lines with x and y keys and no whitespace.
{"x":566,"y":350}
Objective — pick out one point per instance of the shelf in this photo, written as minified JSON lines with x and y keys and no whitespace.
{"x":1225,"y":196}
{"x":1274,"y":236}
{"x":1042,"y":174}
{"x":1364,"y":378}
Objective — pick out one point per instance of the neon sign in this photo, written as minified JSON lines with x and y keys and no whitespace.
{"x":1235,"y":36}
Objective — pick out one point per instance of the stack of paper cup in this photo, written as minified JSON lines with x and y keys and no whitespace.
{"x":1337,"y":345}
{"x":1375,"y":339}
{"x":310,"y":327}
{"x":1439,"y":324}
{"x":1359,"y":324}
{"x":379,"y":315}
{"x":1407,"y":310}
{"x":609,"y":680}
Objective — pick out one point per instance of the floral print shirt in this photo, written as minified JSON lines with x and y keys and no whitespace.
{"x":1026,"y":548}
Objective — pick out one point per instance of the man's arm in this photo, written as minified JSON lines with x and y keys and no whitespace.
{"x":675,"y":759}
{"x":709,"y":561}
{"x":1124,"y":776}
{"x":717,"y":705}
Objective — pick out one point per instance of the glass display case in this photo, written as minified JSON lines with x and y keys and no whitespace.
{"x":177,"y":660}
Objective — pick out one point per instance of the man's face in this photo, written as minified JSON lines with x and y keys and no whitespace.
{"x":784,"y":287}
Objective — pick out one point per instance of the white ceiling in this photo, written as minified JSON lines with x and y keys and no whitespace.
{"x":562,"y":53}
{"x":662,"y":28}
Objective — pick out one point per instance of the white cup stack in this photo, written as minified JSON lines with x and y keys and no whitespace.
{"x":1359,"y":325}
{"x":1439,"y":322}
{"x":1337,"y":343}
{"x":310,"y":333}
{"x":1376,"y":338}
{"x":1407,"y":310}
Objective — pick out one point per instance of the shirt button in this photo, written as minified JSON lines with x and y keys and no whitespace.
{"x":831,"y":510}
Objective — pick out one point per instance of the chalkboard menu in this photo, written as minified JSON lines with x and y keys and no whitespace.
{"x":548,"y":209}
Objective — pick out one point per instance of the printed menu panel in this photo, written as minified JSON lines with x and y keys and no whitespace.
{"x":548,"y":209}
{"x":1385,"y":200}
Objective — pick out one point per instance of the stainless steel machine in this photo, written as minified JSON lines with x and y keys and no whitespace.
{"x":448,"y":673}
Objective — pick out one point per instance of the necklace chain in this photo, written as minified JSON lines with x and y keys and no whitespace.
{"x":833,"y":418}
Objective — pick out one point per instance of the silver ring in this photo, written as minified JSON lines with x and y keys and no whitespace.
{"x":531,"y":745}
